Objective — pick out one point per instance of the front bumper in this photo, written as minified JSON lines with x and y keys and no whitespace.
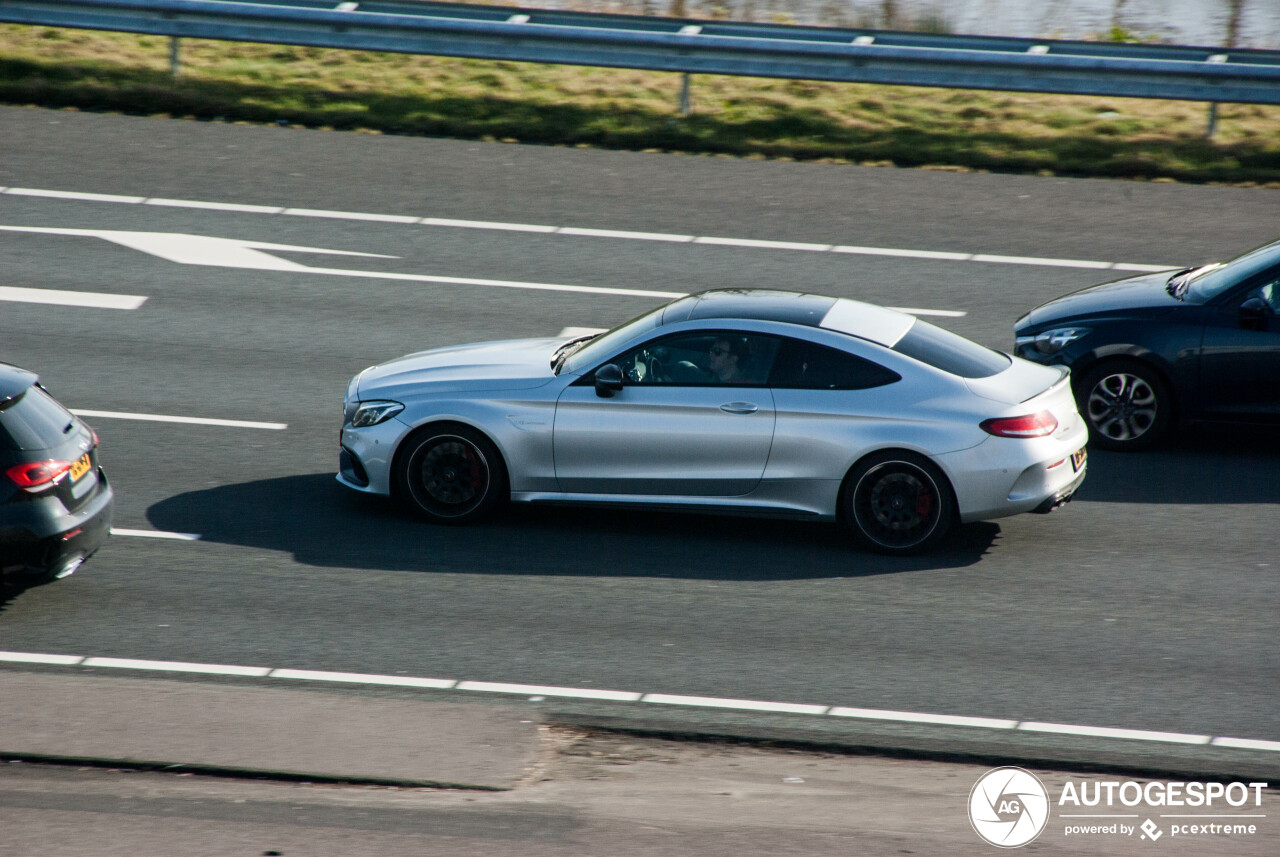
{"x":364,"y":456}
{"x":44,"y":540}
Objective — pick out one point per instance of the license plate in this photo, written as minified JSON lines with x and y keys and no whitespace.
{"x":80,"y":468}
{"x":1077,"y":459}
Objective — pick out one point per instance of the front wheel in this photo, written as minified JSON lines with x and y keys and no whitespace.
{"x":451,"y":475}
{"x":897,"y":503}
{"x":1127,"y":405}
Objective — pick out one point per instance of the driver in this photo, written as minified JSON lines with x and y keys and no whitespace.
{"x":726,"y":359}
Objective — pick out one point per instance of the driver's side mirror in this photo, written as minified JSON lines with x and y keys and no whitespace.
{"x":1255,"y":314}
{"x":608,"y":380}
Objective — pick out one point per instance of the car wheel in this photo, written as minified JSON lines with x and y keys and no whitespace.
{"x":1127,"y":405}
{"x":897,"y":503}
{"x":451,"y":474}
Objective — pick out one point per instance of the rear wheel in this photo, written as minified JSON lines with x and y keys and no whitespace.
{"x":451,"y":475}
{"x":1127,"y":404}
{"x":897,"y":503}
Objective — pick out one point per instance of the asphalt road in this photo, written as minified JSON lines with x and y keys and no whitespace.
{"x":1147,"y":604}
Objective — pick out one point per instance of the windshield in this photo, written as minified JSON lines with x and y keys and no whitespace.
{"x":592,"y":351}
{"x":1204,"y":284}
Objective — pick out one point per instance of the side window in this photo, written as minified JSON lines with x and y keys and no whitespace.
{"x":705,"y":358}
{"x":1270,"y":294}
{"x":809,"y":366}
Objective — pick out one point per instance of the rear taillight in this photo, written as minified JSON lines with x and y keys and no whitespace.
{"x":35,"y":476}
{"x":1031,"y":425}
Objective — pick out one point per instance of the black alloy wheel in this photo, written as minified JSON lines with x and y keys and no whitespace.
{"x":898,"y":503}
{"x":1126,"y":404}
{"x":451,"y":475}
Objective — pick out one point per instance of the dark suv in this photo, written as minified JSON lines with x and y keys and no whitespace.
{"x":55,"y":503}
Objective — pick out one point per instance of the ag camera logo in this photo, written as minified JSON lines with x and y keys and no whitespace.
{"x":1008,"y":807}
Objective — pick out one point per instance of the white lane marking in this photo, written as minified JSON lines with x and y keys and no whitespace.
{"x":351,"y":215}
{"x":1246,"y":744}
{"x":155,"y":534}
{"x":163,"y":418}
{"x":216,"y":206}
{"x":626,"y":696}
{"x":59,"y":297}
{"x":912,"y":717}
{"x":486,"y":224}
{"x":1105,"y":732}
{"x":360,"y":678}
{"x":1130,"y":266}
{"x":176,"y":666}
{"x":540,"y":690}
{"x":740,"y":704}
{"x":763,"y":245}
{"x":233,"y":253}
{"x":33,"y":658}
{"x":906,"y":254}
{"x":1034,"y":260}
{"x":605,"y":233}
{"x":616,"y":233}
{"x":67,"y":194}
{"x":199,"y":249}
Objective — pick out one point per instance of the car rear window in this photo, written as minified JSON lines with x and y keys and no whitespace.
{"x":33,"y":421}
{"x":950,"y":352}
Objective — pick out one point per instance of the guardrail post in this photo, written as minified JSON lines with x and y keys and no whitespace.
{"x":1213,"y":105}
{"x":684,"y":94}
{"x":175,"y":65}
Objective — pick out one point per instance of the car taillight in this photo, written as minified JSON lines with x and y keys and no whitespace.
{"x":37,"y":475}
{"x":1031,"y":425}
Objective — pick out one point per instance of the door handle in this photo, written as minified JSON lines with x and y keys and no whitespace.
{"x":739,"y":408}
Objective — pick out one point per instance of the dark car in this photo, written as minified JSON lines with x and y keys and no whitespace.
{"x":55,"y":503}
{"x":1197,"y":345}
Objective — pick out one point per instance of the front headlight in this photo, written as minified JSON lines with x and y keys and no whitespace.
{"x":372,"y":413}
{"x":1052,"y":341}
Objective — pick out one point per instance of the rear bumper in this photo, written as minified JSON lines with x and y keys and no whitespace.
{"x":43,"y":540}
{"x":1063,"y":497}
{"x":997,"y":478}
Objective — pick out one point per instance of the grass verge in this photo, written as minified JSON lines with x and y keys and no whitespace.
{"x":626,"y":109}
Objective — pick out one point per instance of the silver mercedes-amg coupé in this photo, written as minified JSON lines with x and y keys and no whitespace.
{"x":733,"y":401}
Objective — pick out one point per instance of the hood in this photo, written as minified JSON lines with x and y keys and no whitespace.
{"x":1129,"y":296}
{"x":510,"y":365}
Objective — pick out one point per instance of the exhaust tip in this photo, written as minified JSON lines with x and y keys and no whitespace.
{"x":68,"y":567}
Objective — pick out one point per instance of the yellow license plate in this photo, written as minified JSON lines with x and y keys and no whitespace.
{"x":1077,"y":459}
{"x":80,"y":468}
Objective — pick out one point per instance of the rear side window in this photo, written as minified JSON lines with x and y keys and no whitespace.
{"x":949,"y":352}
{"x":809,"y":366}
{"x":33,"y":421}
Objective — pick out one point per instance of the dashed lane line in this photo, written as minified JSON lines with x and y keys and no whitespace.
{"x":630,"y":235}
{"x":166,"y":418}
{"x":539,"y":692}
{"x":155,"y":534}
{"x":62,"y":297}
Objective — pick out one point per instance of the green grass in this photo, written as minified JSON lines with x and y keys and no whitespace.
{"x":626,"y":109}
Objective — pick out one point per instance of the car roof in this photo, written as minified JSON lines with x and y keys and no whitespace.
{"x":14,"y":382}
{"x":866,"y":321}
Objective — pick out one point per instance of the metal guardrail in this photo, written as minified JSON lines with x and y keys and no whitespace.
{"x":693,"y":47}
